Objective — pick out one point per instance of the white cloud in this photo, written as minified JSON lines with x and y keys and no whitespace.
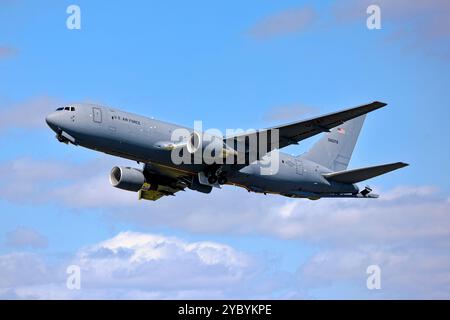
{"x":49,"y":180}
{"x":405,"y":272}
{"x":139,"y":265}
{"x":405,"y":225}
{"x":412,"y":216}
{"x":23,"y":237}
{"x":411,"y":192}
{"x":22,"y":268}
{"x":406,"y":232}
{"x":28,"y":114}
{"x":404,"y":213}
{"x":154,"y":261}
{"x":136,"y":265}
{"x":287,"y":209}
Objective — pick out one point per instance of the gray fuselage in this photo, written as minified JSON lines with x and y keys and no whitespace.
{"x":137,"y":137}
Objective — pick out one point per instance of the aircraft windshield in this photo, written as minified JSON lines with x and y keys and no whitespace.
{"x":66,"y":108}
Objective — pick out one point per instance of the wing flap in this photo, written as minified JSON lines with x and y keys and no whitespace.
{"x":358,"y":175}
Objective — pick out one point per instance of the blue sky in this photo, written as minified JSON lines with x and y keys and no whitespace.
{"x":231,"y":65}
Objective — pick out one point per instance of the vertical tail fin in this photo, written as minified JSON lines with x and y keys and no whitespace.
{"x":335,"y":148}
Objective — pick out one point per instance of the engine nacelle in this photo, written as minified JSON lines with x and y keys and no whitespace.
{"x":127,"y":178}
{"x":212,"y":146}
{"x":194,"y":141}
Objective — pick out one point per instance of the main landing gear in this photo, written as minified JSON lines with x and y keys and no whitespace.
{"x":216,"y":176}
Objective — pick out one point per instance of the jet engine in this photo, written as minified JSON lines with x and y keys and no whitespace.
{"x":211,"y":145}
{"x":127,"y":178}
{"x":193,"y":143}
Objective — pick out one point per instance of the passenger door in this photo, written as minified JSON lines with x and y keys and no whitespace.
{"x":97,"y":114}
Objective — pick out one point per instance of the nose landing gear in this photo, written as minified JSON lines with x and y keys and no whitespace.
{"x":64,"y":137}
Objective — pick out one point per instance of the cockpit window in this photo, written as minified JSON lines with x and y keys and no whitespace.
{"x":66,"y":108}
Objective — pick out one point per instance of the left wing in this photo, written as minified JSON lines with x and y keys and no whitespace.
{"x":297,"y":131}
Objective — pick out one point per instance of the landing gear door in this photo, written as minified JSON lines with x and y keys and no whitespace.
{"x":97,"y":114}
{"x":299,"y":166}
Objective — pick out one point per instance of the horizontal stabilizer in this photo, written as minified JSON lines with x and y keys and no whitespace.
{"x":357,"y":175}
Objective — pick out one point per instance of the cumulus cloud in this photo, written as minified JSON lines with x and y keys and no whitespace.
{"x":135,"y":265}
{"x":141,"y":265}
{"x":42,"y":181}
{"x":23,"y":269}
{"x":73,"y":184}
{"x":406,"y":224}
{"x":23,"y":237}
{"x":154,"y":261}
{"x":289,"y":21}
{"x":28,"y":114}
{"x":410,"y":216}
{"x":406,"y":212}
{"x":406,"y":272}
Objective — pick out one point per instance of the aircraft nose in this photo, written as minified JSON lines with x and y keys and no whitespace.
{"x":51,"y":120}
